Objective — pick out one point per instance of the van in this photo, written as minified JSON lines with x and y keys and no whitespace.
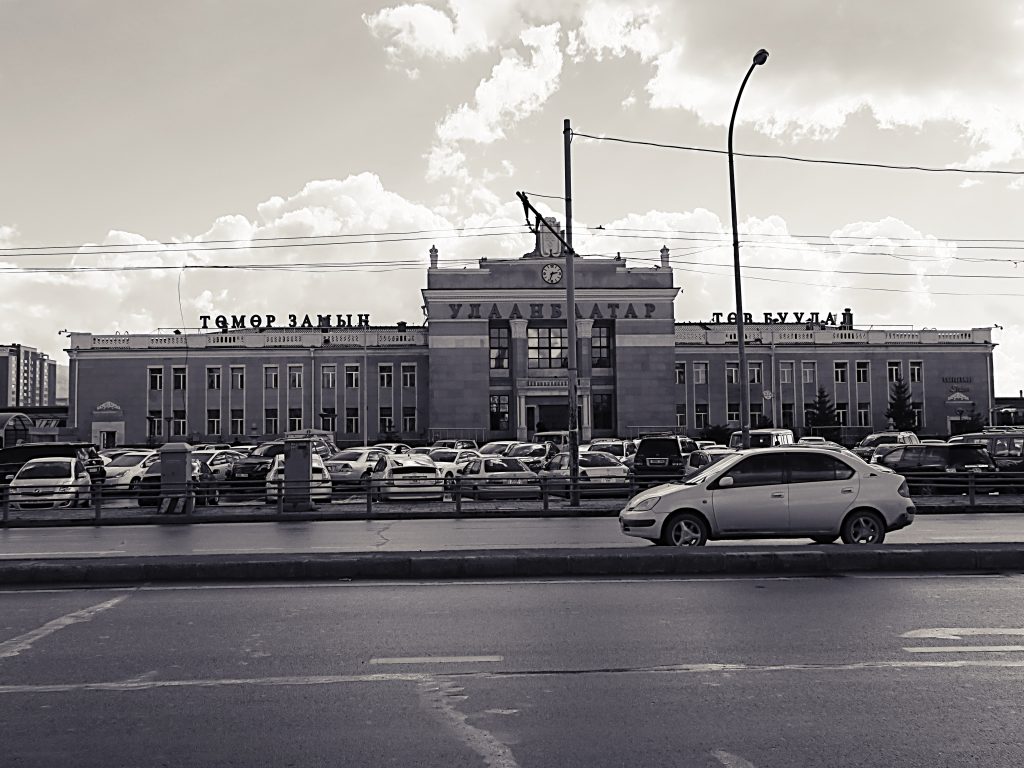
{"x":1005,"y":446}
{"x":559,"y":437}
{"x":762,"y":438}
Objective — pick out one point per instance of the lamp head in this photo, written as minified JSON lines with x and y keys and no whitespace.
{"x":761,"y":57}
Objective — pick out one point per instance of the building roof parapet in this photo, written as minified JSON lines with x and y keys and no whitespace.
{"x":725,"y":334}
{"x":369,"y":336}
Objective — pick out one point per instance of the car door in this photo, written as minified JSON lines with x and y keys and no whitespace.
{"x":757,"y":501}
{"x":822,"y":489}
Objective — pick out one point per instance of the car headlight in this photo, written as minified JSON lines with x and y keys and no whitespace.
{"x":644,"y":504}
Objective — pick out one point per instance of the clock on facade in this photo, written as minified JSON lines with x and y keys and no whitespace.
{"x":552,"y":273}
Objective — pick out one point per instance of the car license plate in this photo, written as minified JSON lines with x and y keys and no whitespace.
{"x":241,"y":474}
{"x":604,"y":479}
{"x":515,"y":482}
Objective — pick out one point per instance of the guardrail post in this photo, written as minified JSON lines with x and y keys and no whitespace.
{"x":4,"y":504}
{"x":280,"y":496}
{"x":369,"y":497}
{"x":544,"y":492}
{"x":96,"y":496}
{"x":458,"y":494}
{"x":971,"y":488}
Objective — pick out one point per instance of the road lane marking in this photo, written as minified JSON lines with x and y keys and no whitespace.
{"x":957,"y":633}
{"x":440,"y":698}
{"x":437,"y":660}
{"x":84,"y":553}
{"x":731,"y":761}
{"x":16,"y":645}
{"x":966,"y":649}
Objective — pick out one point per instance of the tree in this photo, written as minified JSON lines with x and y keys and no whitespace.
{"x":821,"y":413}
{"x":900,"y":411}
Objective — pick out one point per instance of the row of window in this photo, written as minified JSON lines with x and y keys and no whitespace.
{"x":328,"y":377}
{"x":549,"y":347}
{"x":702,"y":414}
{"x":177,"y":423}
{"x":808,"y":370}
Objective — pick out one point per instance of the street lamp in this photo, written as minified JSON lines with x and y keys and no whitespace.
{"x":759,"y":58}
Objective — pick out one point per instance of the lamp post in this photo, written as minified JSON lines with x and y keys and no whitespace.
{"x":759,"y":58}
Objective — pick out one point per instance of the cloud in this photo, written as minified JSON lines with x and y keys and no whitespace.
{"x":968,"y":183}
{"x":422,"y":31}
{"x":615,"y":29}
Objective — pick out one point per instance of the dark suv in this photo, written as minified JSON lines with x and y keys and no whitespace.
{"x":943,"y":469}
{"x":660,"y":458}
{"x":12,"y":458}
{"x":249,"y":475}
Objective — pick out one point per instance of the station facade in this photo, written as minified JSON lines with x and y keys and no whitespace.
{"x":490,"y":362}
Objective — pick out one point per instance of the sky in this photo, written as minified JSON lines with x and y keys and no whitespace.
{"x":153,"y":155}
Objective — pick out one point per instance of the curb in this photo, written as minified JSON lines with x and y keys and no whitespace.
{"x":821,"y":560}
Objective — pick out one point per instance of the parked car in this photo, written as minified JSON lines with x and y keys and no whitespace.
{"x":449,"y":460}
{"x":394,"y":447}
{"x":660,"y":458}
{"x":533,"y":455}
{"x":211,"y":447}
{"x":783,"y":492}
{"x":406,"y":477}
{"x":620,"y":449}
{"x":203,"y":485}
{"x":499,"y":477}
{"x":12,"y":458}
{"x":600,"y":475}
{"x":248,"y":475}
{"x":320,"y":481}
{"x":51,"y":483}
{"x":811,"y":440}
{"x":124,"y":473}
{"x":353,"y":466}
{"x":762,"y":438}
{"x":943,"y":469}
{"x":865,"y":448}
{"x":457,"y":445}
{"x":559,"y":437}
{"x":1005,"y":445}
{"x":498,"y":447}
{"x":697,"y":461}
{"x":421,"y":450}
{"x":220,"y":461}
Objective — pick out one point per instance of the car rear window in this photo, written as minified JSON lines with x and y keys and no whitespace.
{"x":504,"y":465}
{"x":968,"y":454}
{"x":597,"y":460}
{"x":659,"y":446}
{"x":269,"y":451}
{"x":46,"y":470}
{"x":444,"y":454}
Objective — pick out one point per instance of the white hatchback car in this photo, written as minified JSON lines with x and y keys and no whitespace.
{"x":50,"y":483}
{"x":783,"y":492}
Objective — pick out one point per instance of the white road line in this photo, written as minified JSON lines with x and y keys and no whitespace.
{"x":730,"y":761}
{"x":966,"y":649}
{"x":439,"y":698}
{"x":16,"y":645}
{"x":146,"y":685}
{"x":956,"y":633}
{"x":437,"y":659}
{"x":20,"y":555}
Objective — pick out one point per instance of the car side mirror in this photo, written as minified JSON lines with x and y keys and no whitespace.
{"x":726,"y":482}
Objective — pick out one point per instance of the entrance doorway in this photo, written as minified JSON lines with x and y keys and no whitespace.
{"x":108,"y":439}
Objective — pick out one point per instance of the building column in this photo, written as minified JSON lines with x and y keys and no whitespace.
{"x":586,"y":426}
{"x":521,"y":418}
{"x":518,"y":370}
{"x":584,"y":369}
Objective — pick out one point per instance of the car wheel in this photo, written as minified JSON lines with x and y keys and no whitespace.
{"x":824,"y":539}
{"x":214,"y":499}
{"x":684,"y":529}
{"x":862,"y":526}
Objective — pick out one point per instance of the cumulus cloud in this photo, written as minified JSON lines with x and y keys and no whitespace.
{"x":615,"y":29}
{"x":968,"y":183}
{"x":418,"y":29}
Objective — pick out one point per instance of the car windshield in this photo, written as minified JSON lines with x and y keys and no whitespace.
{"x":443,"y":454}
{"x":613,"y":448}
{"x":128,"y":460}
{"x":968,"y":454}
{"x":268,"y":451}
{"x":659,"y":446}
{"x":872,"y":440}
{"x":348,"y":456}
{"x":202,"y":455}
{"x":491,"y":448}
{"x":46,"y":470}
{"x":597,"y":460}
{"x":528,"y":450}
{"x":504,"y":465}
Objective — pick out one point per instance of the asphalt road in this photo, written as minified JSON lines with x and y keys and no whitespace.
{"x":419,"y":535}
{"x":846,"y":671}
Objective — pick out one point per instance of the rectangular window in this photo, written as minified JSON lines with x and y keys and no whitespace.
{"x":237,"y":421}
{"x":294,"y":377}
{"x":213,"y":421}
{"x":155,"y":424}
{"x":681,"y":415}
{"x":808,"y":417}
{"x":601,"y":347}
{"x":178,"y":426}
{"x":918,"y":409}
{"x":329,"y":420}
{"x":294,"y":419}
{"x":352,"y":376}
{"x":270,"y":377}
{"x":237,"y":377}
{"x":840,"y":372}
{"x":547,"y":347}
{"x":893,"y":370}
{"x":788,"y":420}
{"x":156,"y":379}
{"x":179,"y":378}
{"x":842,"y":414}
{"x":499,"y":412}
{"x":680,"y":373}
{"x":351,"y":420}
{"x":270,"y":421}
{"x":785,"y":373}
{"x":409,"y":418}
{"x":732,"y":412}
{"x":754,"y":372}
{"x":916,"y":367}
{"x":409,"y":375}
{"x":499,"y":344}
{"x":328,"y":376}
{"x":701,"y":415}
{"x":604,"y":418}
{"x":863,"y":369}
{"x":863,"y":414}
{"x":732,"y":373}
{"x":807,"y":373}
{"x":700,"y":373}
{"x":387,"y":419}
{"x":756,"y":414}
{"x":213,"y":378}
{"x":385,"y":378}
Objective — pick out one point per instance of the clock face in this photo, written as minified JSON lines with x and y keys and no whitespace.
{"x":552,"y":273}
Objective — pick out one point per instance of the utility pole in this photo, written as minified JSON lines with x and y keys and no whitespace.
{"x":570,"y":314}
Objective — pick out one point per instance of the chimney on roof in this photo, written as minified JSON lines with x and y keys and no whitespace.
{"x":847,"y":320}
{"x":433,"y":257}
{"x":664,"y":257}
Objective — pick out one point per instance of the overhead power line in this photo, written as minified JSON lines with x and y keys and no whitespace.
{"x":797,"y":159}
